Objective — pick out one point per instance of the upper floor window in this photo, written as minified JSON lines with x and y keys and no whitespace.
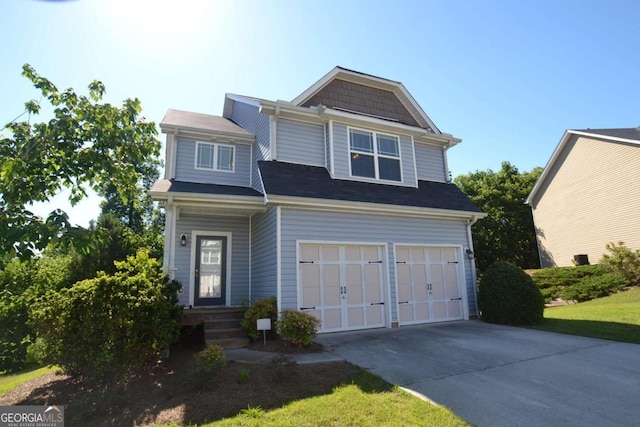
{"x":214,"y":156}
{"x":374,"y":155}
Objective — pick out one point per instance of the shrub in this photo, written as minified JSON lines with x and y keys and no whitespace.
{"x":594,"y":287}
{"x":210,"y":361}
{"x":104,"y":328}
{"x":299,"y":327}
{"x":261,"y":309}
{"x":507,"y":295}
{"x":552,"y":281}
{"x":623,"y":261}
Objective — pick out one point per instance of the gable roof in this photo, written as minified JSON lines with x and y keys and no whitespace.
{"x":623,"y":135}
{"x":314,"y":182}
{"x":384,"y":99}
{"x":189,"y":121}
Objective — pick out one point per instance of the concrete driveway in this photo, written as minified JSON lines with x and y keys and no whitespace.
{"x":493,"y":375}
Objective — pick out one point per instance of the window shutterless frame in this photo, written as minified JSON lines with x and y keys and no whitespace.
{"x":374,"y":155}
{"x":214,"y":157}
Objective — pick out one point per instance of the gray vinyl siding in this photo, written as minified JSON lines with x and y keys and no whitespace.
{"x":341,"y":156}
{"x":430,"y":163}
{"x":186,"y":171}
{"x":326,"y":147}
{"x":261,"y":149}
{"x":239,"y":227}
{"x":263,"y":255}
{"x":334,"y":227}
{"x":245,"y":116}
{"x":299,"y":142}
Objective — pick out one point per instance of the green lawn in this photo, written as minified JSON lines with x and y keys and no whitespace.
{"x":616,"y":317}
{"x":11,"y":381}
{"x":367,"y":401}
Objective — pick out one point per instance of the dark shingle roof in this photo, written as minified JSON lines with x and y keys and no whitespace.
{"x":171,"y":186}
{"x":624,"y":133}
{"x":288,"y":179}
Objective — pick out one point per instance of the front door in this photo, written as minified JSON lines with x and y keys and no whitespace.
{"x":211,"y":270}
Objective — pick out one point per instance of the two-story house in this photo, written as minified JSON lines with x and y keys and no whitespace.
{"x":337,"y":203}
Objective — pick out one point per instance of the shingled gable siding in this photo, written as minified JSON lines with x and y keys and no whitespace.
{"x":430,"y":163}
{"x":322,"y":226}
{"x":239,"y":227}
{"x":361,"y":98}
{"x":342,"y":159}
{"x":590,"y":199}
{"x":263,"y":255}
{"x":186,"y":171}
{"x":300,"y":142}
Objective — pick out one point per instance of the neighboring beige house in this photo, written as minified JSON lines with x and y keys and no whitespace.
{"x":588,"y":195}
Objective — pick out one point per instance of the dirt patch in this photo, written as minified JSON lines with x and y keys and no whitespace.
{"x":163,"y":393}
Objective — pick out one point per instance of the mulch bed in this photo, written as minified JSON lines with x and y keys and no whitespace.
{"x":164,"y":392}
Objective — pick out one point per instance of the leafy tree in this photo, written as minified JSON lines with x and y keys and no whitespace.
{"x":86,"y":145}
{"x":507,"y":233}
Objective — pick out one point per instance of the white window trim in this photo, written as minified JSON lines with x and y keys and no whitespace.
{"x":216,"y":146}
{"x":375,"y":155}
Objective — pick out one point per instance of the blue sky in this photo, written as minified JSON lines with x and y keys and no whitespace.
{"x":508,"y":77}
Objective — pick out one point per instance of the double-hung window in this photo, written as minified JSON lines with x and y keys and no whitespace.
{"x":374,"y":155}
{"x":216,"y":157}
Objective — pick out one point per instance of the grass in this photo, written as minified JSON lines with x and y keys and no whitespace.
{"x":366,"y":401}
{"x":616,"y":318}
{"x":11,"y":381}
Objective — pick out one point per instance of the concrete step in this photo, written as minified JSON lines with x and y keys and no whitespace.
{"x":228,"y":342}
{"x":224,"y":333}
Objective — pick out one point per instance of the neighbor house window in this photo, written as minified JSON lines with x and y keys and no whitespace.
{"x":214,"y":156}
{"x":374,"y":155}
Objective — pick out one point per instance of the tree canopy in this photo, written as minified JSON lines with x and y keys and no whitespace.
{"x":507,"y":233}
{"x":86,"y":145}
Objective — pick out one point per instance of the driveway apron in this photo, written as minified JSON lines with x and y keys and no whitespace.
{"x":494,"y":375}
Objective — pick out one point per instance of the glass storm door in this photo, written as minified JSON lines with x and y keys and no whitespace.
{"x":211,"y":270}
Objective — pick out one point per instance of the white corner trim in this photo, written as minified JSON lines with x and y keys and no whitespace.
{"x":279,"y":257}
{"x":331,"y":150}
{"x":273,"y":137}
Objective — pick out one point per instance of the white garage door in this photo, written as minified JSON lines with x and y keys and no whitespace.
{"x":342,"y":285}
{"x":428,"y":284}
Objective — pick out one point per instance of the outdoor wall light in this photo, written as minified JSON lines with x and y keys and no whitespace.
{"x":183,"y":240}
{"x":469,"y":253}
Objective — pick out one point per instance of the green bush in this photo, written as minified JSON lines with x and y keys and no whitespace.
{"x":261,"y":309}
{"x":594,"y":287}
{"x":553,"y":281}
{"x":623,"y":261}
{"x":101,"y":329}
{"x":210,"y":361}
{"x":299,"y":327}
{"x":508,"y":296}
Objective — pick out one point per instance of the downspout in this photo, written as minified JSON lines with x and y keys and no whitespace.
{"x":474,"y":275}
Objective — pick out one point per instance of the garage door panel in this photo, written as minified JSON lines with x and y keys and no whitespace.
{"x":439,"y":310}
{"x":454,"y":309}
{"x":405,"y":313}
{"x":341,"y":282}
{"x":422,"y":312}
{"x":375,"y":315}
{"x":431,"y":277}
{"x":330,"y":253}
{"x":355,"y":316}
{"x":402,"y":255}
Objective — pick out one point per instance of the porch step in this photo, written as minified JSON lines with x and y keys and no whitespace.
{"x":222,"y":327}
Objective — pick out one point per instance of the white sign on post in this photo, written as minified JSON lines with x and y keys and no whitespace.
{"x":264,"y":325}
